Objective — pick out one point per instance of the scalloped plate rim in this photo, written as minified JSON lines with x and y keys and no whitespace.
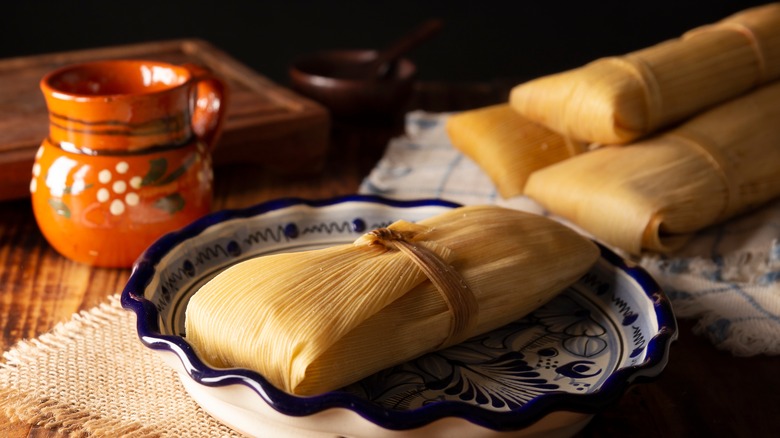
{"x":591,"y":403}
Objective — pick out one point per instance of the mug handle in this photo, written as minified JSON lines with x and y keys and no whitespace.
{"x":210,"y":104}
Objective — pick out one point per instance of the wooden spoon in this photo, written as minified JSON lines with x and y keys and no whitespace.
{"x":385,"y":60}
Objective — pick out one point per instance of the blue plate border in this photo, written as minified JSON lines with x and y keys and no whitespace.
{"x":612,"y":389}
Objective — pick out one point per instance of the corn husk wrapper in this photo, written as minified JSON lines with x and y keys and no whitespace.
{"x":507,"y":146}
{"x":654,"y":193}
{"x":616,"y":100}
{"x":318,"y":320}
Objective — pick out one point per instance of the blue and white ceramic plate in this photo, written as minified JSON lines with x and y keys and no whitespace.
{"x":547,"y":373}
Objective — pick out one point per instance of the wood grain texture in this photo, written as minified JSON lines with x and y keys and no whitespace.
{"x":265,"y":123}
{"x":702,"y":392}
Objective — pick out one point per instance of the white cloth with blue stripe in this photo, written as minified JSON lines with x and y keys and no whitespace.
{"x":727,"y":278}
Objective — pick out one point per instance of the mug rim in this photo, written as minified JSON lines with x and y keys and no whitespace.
{"x":49,"y":88}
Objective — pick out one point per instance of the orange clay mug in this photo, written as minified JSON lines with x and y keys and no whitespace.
{"x":127,"y":158}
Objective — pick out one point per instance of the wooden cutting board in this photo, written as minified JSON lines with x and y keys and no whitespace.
{"x":265,"y":123}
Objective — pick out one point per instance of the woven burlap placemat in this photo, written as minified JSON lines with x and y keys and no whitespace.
{"x":92,"y":376}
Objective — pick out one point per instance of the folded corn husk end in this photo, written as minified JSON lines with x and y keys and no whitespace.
{"x":596,"y":103}
{"x":507,"y":146}
{"x":315,"y":321}
{"x":625,"y":196}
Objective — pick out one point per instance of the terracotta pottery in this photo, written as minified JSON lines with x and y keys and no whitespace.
{"x":320,"y":76}
{"x":127,"y":158}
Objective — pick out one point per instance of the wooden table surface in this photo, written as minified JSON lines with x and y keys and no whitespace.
{"x":702,"y":392}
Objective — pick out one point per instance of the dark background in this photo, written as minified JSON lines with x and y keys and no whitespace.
{"x":481,"y":39}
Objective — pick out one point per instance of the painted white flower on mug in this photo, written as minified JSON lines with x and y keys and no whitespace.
{"x":115,"y":187}
{"x":118,"y":189}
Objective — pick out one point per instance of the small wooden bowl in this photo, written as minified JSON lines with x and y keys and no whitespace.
{"x":332,"y":78}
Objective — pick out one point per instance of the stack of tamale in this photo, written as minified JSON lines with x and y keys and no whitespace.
{"x":679,"y":136}
{"x":317,"y":320}
{"x":654,"y":193}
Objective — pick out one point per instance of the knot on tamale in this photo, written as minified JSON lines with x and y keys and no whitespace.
{"x":452,"y":287}
{"x":387,"y":237}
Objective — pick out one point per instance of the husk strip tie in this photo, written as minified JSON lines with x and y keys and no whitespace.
{"x":456,"y":293}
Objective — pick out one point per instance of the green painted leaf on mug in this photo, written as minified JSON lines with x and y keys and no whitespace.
{"x":60,"y":208}
{"x":176,"y":174}
{"x":171,"y":203}
{"x":70,"y":190}
{"x":157,"y":169}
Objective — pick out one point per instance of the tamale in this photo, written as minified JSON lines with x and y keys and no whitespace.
{"x":654,"y":193}
{"x":507,"y":146}
{"x":314,"y":321}
{"x":616,"y":100}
